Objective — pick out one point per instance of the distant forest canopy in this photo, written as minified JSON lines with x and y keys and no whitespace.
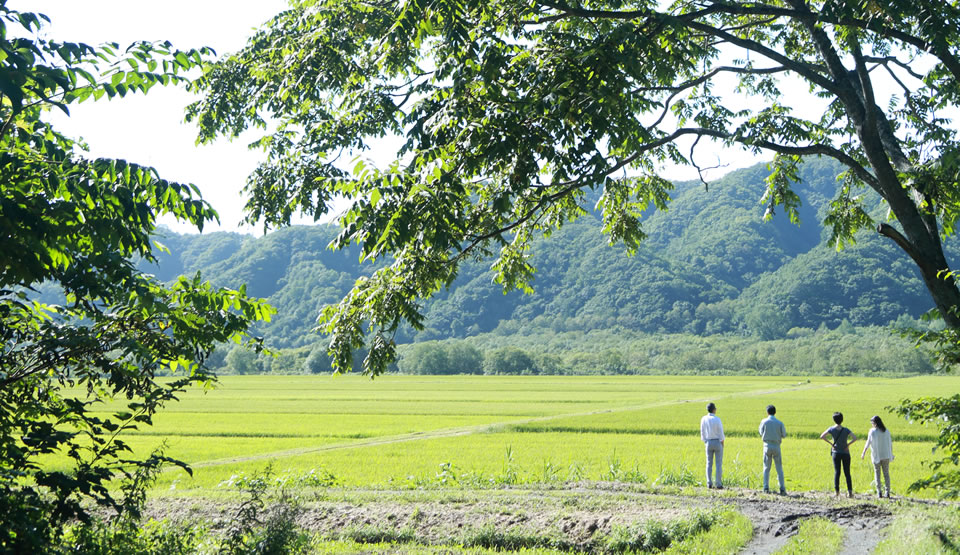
{"x":844,"y":351}
{"x":709,"y":266}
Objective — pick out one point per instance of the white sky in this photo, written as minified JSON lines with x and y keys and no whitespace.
{"x":150,"y":130}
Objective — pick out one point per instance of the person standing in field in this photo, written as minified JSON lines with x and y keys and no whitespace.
{"x":772,"y":432}
{"x":842,"y":438}
{"x":711,"y":433}
{"x":881,"y":452}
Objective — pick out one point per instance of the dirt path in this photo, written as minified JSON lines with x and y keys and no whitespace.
{"x":578,"y":513}
{"x":776,"y":519}
{"x":484,"y":428}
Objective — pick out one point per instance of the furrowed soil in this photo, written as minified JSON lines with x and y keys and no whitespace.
{"x":575,"y":513}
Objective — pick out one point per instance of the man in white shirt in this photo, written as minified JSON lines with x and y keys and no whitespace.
{"x":711,"y":433}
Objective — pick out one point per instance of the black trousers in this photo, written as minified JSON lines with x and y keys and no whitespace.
{"x":844,"y":460}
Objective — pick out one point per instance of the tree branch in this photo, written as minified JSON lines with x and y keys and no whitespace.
{"x":541,"y":202}
{"x":806,"y":70}
{"x":569,"y":186}
{"x":866,"y":87}
{"x":887,"y":60}
{"x":713,"y":73}
{"x":891,"y":232}
{"x":940,"y":51}
{"x":7,"y":123}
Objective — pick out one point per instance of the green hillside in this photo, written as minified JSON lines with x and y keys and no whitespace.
{"x":710,"y":265}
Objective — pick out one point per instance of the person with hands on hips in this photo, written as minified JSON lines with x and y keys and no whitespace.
{"x":842,"y":438}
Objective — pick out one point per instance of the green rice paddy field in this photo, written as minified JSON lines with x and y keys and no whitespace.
{"x":409,"y":431}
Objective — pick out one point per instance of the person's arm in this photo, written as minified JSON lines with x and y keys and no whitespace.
{"x":853,"y":439}
{"x":722,"y":436}
{"x":783,"y":430}
{"x":703,"y":430}
{"x":824,"y":435}
{"x":865,"y":445}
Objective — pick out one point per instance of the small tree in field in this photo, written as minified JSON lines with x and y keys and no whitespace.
{"x":78,"y":222}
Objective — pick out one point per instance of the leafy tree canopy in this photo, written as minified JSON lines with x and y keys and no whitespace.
{"x":78,"y":223}
{"x":511,"y":110}
{"x":943,"y":412}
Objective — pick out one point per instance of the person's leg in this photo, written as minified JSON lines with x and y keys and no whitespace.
{"x":719,"y":453}
{"x":876,"y":477}
{"x":706,"y":446}
{"x":766,"y":469}
{"x":845,"y":459}
{"x":836,"y":473}
{"x":885,"y":465}
{"x":779,"y":462}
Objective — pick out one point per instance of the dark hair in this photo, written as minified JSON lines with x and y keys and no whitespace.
{"x":838,"y":418}
{"x":711,"y":407}
{"x":878,"y":423}
{"x":771,"y":409}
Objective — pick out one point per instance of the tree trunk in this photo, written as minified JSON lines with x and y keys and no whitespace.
{"x":946,"y":296}
{"x":927,"y":254}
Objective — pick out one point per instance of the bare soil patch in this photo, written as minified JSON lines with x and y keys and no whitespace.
{"x":575,"y":513}
{"x":777,"y":518}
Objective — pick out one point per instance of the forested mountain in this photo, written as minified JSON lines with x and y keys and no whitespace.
{"x":710,"y":265}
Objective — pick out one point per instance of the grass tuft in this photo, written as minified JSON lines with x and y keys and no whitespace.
{"x":655,"y":536}
{"x":490,"y":537}
{"x":727,"y":532}
{"x":676,"y":477}
{"x":377,"y":535}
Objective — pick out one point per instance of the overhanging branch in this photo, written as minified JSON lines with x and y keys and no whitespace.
{"x":892,"y":233}
{"x":566,"y":187}
{"x":950,"y":61}
{"x":710,"y":75}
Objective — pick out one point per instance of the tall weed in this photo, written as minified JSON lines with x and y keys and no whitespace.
{"x":671,"y":477}
{"x":265,"y":523}
{"x":654,"y":535}
{"x":509,"y":475}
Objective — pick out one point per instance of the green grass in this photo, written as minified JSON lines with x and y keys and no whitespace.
{"x":806,"y":410}
{"x":729,"y":534}
{"x":817,"y":536}
{"x":416,"y":431}
{"x":482,"y":460}
{"x":716,"y":531}
{"x":927,"y":530}
{"x":261,"y":425}
{"x":352,"y":547}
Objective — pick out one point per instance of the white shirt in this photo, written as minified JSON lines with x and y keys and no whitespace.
{"x":711,"y":428}
{"x":881,"y":445}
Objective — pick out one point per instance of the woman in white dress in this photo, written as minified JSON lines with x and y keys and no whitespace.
{"x":881,"y":451}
